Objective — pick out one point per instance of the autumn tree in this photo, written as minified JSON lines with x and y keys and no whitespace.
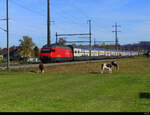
{"x":26,"y":47}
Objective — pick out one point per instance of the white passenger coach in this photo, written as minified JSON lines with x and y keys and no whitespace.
{"x":82,"y":53}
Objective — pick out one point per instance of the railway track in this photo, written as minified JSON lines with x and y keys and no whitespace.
{"x":51,"y":64}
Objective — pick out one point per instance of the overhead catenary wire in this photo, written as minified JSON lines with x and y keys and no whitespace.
{"x":71,"y":17}
{"x":27,"y":8}
{"x":35,"y":12}
{"x":38,"y":13}
{"x":29,"y":28}
{"x":75,"y":20}
{"x":79,"y":9}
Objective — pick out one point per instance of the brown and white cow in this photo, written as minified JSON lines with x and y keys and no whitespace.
{"x":109,"y":66}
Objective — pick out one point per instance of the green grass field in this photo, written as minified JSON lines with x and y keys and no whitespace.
{"x":78,"y":88}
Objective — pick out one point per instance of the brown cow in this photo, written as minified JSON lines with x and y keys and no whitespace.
{"x":41,"y":68}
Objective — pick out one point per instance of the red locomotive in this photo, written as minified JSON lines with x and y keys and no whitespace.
{"x":56,"y":53}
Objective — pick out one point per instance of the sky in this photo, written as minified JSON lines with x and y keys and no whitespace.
{"x":29,"y":18}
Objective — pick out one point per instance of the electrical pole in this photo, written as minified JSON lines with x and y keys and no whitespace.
{"x":116,"y":35}
{"x":7,"y":23}
{"x":48,"y":23}
{"x":56,"y":38}
{"x":94,"y":41}
{"x":90,"y":38}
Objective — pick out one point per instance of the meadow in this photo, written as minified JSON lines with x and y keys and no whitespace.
{"x":78,"y":88}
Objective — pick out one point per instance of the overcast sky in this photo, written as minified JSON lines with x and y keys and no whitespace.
{"x":29,"y":17}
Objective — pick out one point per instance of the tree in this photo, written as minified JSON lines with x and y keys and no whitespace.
{"x":26,"y":47}
{"x":36,"y":52}
{"x":74,"y":44}
{"x":62,"y":41}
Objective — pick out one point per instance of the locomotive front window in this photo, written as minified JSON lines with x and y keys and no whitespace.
{"x":47,"y":50}
{"x":52,"y":50}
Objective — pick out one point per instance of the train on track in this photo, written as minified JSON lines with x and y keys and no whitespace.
{"x":57,"y":53}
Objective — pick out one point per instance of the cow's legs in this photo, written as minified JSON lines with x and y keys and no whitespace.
{"x":102,"y":71}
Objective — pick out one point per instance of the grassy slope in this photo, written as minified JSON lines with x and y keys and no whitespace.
{"x":70,"y":88}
